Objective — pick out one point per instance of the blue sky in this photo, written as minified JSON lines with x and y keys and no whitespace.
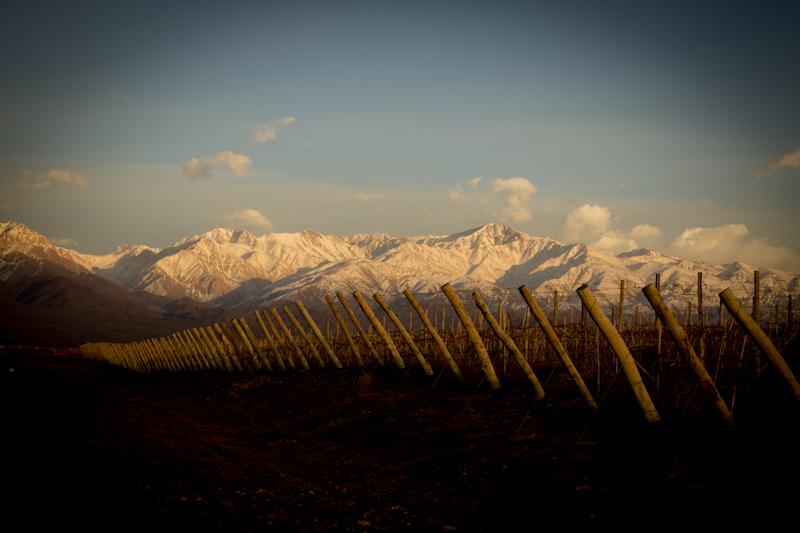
{"x":618,"y":116}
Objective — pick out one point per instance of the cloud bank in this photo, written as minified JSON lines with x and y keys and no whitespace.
{"x":733,"y":242}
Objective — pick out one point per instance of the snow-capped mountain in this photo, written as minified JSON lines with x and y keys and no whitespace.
{"x":237,"y":268}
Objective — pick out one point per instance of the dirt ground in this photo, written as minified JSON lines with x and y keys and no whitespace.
{"x":88,"y":445}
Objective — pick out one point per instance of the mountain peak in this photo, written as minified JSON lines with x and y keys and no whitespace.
{"x":492,"y":233}
{"x":16,"y":234}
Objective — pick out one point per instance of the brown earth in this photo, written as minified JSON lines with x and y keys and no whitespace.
{"x":91,"y":446}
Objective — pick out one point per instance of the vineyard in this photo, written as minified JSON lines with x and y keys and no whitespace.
{"x":673,"y":360}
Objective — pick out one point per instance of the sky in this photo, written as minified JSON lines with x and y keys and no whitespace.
{"x":673,"y":126}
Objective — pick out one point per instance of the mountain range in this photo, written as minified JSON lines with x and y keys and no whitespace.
{"x":197,"y":276}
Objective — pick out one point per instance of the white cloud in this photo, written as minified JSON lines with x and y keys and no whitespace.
{"x":264,"y":133}
{"x":247,"y":219}
{"x":586,"y":223}
{"x":790,"y":160}
{"x":615,"y":241}
{"x":733,"y":242}
{"x":474,"y":181}
{"x":517,"y":193}
{"x":60,"y":176}
{"x":366,"y":197}
{"x":237,"y":164}
{"x":65,"y":243}
{"x":591,"y":224}
{"x":644,"y":231}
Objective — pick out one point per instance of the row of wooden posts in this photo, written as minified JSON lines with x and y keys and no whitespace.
{"x":235,"y":347}
{"x":618,"y":310}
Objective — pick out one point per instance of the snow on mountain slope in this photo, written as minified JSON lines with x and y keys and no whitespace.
{"x":238,"y":268}
{"x":16,"y":238}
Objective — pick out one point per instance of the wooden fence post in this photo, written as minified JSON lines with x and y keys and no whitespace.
{"x":433,"y":333}
{"x":361,"y":333}
{"x":474,"y":336}
{"x":318,"y":334}
{"x":288,"y":334}
{"x":238,"y":347}
{"x":254,"y":362}
{"x":304,"y":335}
{"x":621,"y":313}
{"x":682,"y":340}
{"x":555,"y":308}
{"x":403,"y":333}
{"x":211,"y":339}
{"x":210,"y":356}
{"x":557,"y":346}
{"x":734,"y":307}
{"x":270,"y":316}
{"x":700,"y":318}
{"x":509,"y":342}
{"x":228,"y":345}
{"x":623,"y":354}
{"x":260,"y":352}
{"x":343,"y":327}
{"x":271,"y":341}
{"x":756,"y":297}
{"x":376,"y":325}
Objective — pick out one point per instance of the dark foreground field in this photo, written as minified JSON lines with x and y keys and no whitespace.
{"x":85,"y":444}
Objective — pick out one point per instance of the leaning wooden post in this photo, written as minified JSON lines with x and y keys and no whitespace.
{"x":195,"y":361}
{"x":212,"y":358}
{"x":254,"y":362}
{"x":433,"y":333}
{"x":376,"y":325}
{"x":343,"y":327}
{"x":734,"y":307}
{"x":680,"y":337}
{"x":199,"y":355}
{"x":302,"y":332}
{"x":180,"y":349}
{"x":259,"y":347}
{"x":164,"y":363}
{"x":238,"y":347}
{"x":180,"y":364}
{"x":621,"y":313}
{"x":210,"y":336}
{"x":259,"y":356}
{"x":230,"y":348}
{"x":658,"y":322}
{"x":318,"y":334}
{"x":196,"y":354}
{"x":152,"y":355}
{"x":403,"y":333}
{"x":555,"y":308}
{"x":359,"y":328}
{"x":509,"y":342}
{"x":270,"y":341}
{"x":288,"y":334}
{"x":756,"y":297}
{"x":474,"y":336}
{"x":623,"y":354}
{"x":557,"y":346}
{"x":700,"y":318}
{"x":269,"y":317}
